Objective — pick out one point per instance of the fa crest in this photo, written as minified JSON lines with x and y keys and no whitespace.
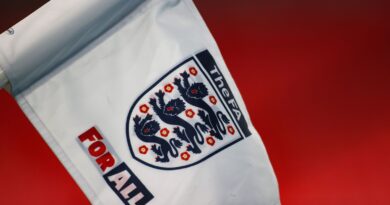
{"x":184,"y":118}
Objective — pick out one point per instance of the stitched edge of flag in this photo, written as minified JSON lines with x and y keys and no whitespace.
{"x":58,"y":151}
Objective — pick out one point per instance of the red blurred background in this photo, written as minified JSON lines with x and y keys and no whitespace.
{"x":315,"y":77}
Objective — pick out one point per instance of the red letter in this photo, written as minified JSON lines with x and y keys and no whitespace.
{"x":97,"y":148}
{"x":91,"y":135}
{"x":105,"y":161}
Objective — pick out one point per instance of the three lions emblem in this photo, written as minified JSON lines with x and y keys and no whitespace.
{"x":185,"y":117}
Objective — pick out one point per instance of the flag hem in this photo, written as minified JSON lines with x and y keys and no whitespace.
{"x":57,"y":150}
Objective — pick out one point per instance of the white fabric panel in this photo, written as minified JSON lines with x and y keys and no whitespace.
{"x":54,"y":33}
{"x":97,"y":86}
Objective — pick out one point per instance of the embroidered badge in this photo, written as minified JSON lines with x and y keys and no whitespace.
{"x":185,"y":117}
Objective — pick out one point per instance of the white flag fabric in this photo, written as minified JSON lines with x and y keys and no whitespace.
{"x":136,"y":101}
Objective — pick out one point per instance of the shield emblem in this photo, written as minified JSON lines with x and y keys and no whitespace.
{"x":181,"y":120}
